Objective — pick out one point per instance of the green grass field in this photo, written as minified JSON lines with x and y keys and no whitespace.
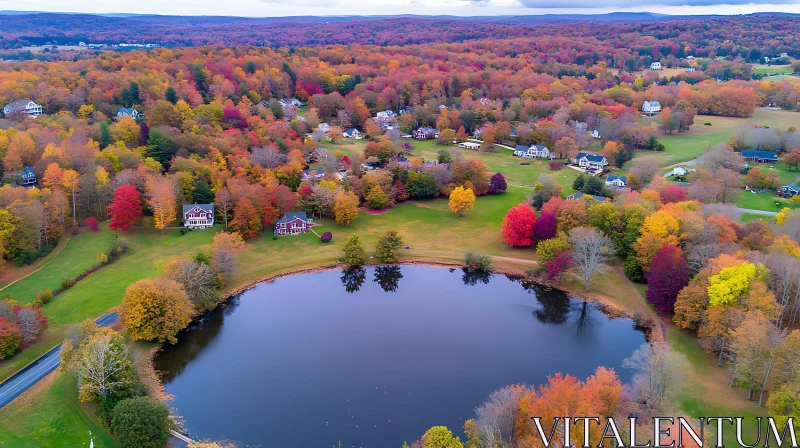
{"x":81,"y":253}
{"x":52,"y":418}
{"x":762,"y":69}
{"x":690,"y":144}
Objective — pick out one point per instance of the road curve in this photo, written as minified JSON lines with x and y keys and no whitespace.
{"x":35,"y":371}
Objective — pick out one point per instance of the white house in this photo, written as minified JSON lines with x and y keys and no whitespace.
{"x":651,"y":107}
{"x":129,"y":112}
{"x":679,"y":171}
{"x":533,"y":152}
{"x":655,"y":66}
{"x":198,"y":216}
{"x":590,"y":162}
{"x":469,"y":145}
{"x":595,"y":134}
{"x":352,"y":133}
{"x":324,"y":127}
{"x":616,"y":181}
{"x":23,"y":107}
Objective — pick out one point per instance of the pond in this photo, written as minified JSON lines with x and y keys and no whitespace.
{"x":375,"y":357}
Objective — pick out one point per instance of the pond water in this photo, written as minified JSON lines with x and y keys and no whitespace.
{"x":375,"y":357}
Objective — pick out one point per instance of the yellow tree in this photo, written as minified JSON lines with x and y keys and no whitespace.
{"x":155,"y":309}
{"x":161,"y":193}
{"x":126,"y":130}
{"x":462,"y":200}
{"x":345,"y":207}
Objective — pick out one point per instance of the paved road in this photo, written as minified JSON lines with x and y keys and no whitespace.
{"x":35,"y":371}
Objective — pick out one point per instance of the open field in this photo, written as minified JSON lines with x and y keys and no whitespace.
{"x":81,"y":253}
{"x":50,"y":415}
{"x":690,"y":144}
{"x":764,"y":69}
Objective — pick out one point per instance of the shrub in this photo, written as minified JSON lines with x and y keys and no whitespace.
{"x":10,"y":338}
{"x":103,"y":258}
{"x":140,"y":423}
{"x":707,"y":124}
{"x":477,"y":262}
{"x":91,"y":223}
{"x":182,"y":231}
{"x":67,"y":283}
{"x":326,"y":237}
{"x":43,"y":297}
{"x":556,"y":166}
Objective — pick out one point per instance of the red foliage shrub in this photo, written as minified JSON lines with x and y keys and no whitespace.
{"x":91,"y":224}
{"x":518,"y":226}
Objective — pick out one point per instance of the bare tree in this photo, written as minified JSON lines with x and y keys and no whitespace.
{"x":645,"y":170}
{"x":102,"y":365}
{"x":224,"y":202}
{"x":658,"y":373}
{"x":30,"y":324}
{"x":267,"y":157}
{"x":590,"y":251}
{"x":198,"y":279}
{"x":496,"y":417}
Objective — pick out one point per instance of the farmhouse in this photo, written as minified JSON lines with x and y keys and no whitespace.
{"x":579,"y":195}
{"x":690,"y":70}
{"x":651,"y":107}
{"x":616,"y":181}
{"x":789,"y":191}
{"x":752,"y":155}
{"x":293,"y":223}
{"x":469,"y":145}
{"x":426,"y":133}
{"x":128,"y":112}
{"x":655,"y":66}
{"x":679,"y":171}
{"x":23,"y":107}
{"x":580,"y":126}
{"x":198,"y":216}
{"x":533,"y":152}
{"x":591,"y":162}
{"x":28,"y":178}
{"x":352,"y":133}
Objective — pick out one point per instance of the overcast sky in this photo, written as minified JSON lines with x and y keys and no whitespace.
{"x":266,"y":8}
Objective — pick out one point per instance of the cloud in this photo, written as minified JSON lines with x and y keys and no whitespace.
{"x":617,"y":4}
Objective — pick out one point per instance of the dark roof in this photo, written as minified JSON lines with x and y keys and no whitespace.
{"x":351,"y":130}
{"x":622,"y":178}
{"x":522,"y":148}
{"x":428,"y":130}
{"x":27,"y":173}
{"x":127,"y":111}
{"x":793,"y":186}
{"x":579,"y":195}
{"x":204,"y":207}
{"x":748,"y":153}
{"x":590,"y":157}
{"x":291,"y":216}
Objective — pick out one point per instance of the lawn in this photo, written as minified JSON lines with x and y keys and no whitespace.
{"x":706,"y":392}
{"x":762,"y":69}
{"x":767,"y":201}
{"x":50,"y":415}
{"x":81,"y":253}
{"x":690,"y":144}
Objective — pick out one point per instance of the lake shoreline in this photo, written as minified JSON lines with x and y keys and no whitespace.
{"x":152,"y":377}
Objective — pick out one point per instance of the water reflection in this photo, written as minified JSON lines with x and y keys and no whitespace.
{"x":346,"y":367}
{"x":473,"y":277}
{"x":388,"y":277}
{"x":353,"y":278}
